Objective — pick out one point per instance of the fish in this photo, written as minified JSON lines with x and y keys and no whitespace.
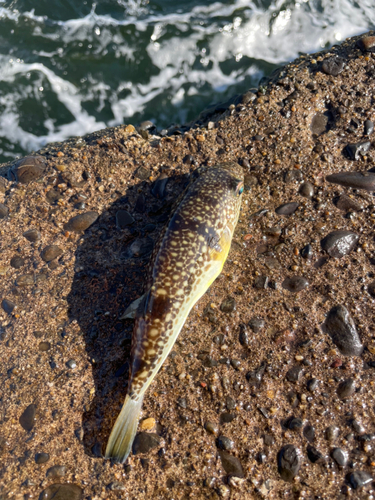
{"x":189,"y":256}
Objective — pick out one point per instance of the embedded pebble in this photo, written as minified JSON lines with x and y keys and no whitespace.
{"x":71,"y":364}
{"x":123,"y":219}
{"x":307,"y":252}
{"x":231,"y":464}
{"x":44,"y":346}
{"x":28,"y":169}
{"x":211,"y":427}
{"x":289,"y":462}
{"x":224,"y":443}
{"x":312,"y":384}
{"x":41,"y":458}
{"x":32,"y":235}
{"x":256,"y":324}
{"x":8,"y":306}
{"x":356,"y":180}
{"x":309,"y":433}
{"x":145,"y":441}
{"x":287,"y":208}
{"x":319,"y":124}
{"x":3,"y":211}
{"x":314,"y":455}
{"x":27,"y":419}
{"x":228,"y":305}
{"x":255,"y":377}
{"x":294,"y":374}
{"x":339,"y":456}
{"x":306,"y":190}
{"x":226,"y":418}
{"x":333,"y":65}
{"x":81,"y":222}
{"x":347,"y":204}
{"x":358,"y":149}
{"x":343,"y":332}
{"x":62,"y":492}
{"x":339,"y":243}
{"x":369,"y":127}
{"x":17,"y":262}
{"x":371,"y":288}
{"x":56,"y":471}
{"x":243,"y":336}
{"x":117,"y":486}
{"x":359,"y":478}
{"x":346,"y":389}
{"x":331,"y":433}
{"x":51,"y":252}
{"x":295,"y":284}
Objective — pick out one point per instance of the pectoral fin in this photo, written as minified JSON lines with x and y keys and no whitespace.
{"x":131,"y":310}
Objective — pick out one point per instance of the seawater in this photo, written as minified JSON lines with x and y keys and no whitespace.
{"x":70,"y":67}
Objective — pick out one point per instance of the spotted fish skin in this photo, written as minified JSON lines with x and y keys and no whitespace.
{"x":189,"y":257}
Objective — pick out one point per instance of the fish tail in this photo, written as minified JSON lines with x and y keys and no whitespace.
{"x":123,"y":433}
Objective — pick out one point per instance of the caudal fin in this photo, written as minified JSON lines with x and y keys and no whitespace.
{"x":123,"y":433}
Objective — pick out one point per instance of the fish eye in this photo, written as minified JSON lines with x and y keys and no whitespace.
{"x":239,"y":188}
{"x":240,"y":191}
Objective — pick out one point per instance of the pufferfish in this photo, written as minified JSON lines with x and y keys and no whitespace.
{"x":189,"y":256}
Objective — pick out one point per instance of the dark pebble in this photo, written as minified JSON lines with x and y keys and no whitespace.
{"x":339,"y":456}
{"x":17,"y":262}
{"x":117,"y":486}
{"x":224,"y":443}
{"x":25,"y":280}
{"x":358,"y":149}
{"x":226,"y":418}
{"x":343,"y":332}
{"x":312,"y":384}
{"x":295,"y":424}
{"x":331,"y":433}
{"x":294,"y":374}
{"x":287,"y":208}
{"x":211,"y":427}
{"x":61,"y":492}
{"x":44,"y":346}
{"x":306,"y":190}
{"x":71,"y":364}
{"x":182,"y":403}
{"x":256,"y":324}
{"x":314,"y":455}
{"x":147,"y":125}
{"x":339,"y":243}
{"x":28,"y":169}
{"x":51,"y":252}
{"x":141,"y":246}
{"x":231,"y":465}
{"x":371,"y":289}
{"x":319,"y":124}
{"x":293,"y":176}
{"x":140,"y":205}
{"x":41,"y":458}
{"x":56,"y":471}
{"x":261,"y":282}
{"x":230,"y":403}
{"x":359,"y":478}
{"x":123,"y":219}
{"x":81,"y":222}
{"x":346,"y":389}
{"x":347,"y":204}
{"x":369,"y":127}
{"x":244,"y":335}
{"x":228,"y":305}
{"x":8,"y":306}
{"x":358,"y":426}
{"x":188,"y":160}
{"x":158,"y":189}
{"x":27,"y":419}
{"x":269,"y":440}
{"x":53,"y":196}
{"x":142,"y":173}
{"x":289,"y":462}
{"x":295,"y":284}
{"x":309,"y":433}
{"x":236,"y":363}
{"x":307,"y":252}
{"x":367,"y":43}
{"x":32,"y":235}
{"x":255,"y":377}
{"x":145,"y":441}
{"x":333,"y":65}
{"x":357,"y":180}
{"x":3,"y":211}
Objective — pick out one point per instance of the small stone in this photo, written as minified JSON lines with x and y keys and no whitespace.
{"x":333,"y":65}
{"x":306,"y":190}
{"x":289,"y":462}
{"x":226,"y":418}
{"x":44,"y":346}
{"x":211,"y":428}
{"x":117,"y":486}
{"x":295,"y":284}
{"x":359,"y":478}
{"x":141,"y":247}
{"x":32,"y":235}
{"x":314,"y":455}
{"x":123,"y":219}
{"x":319,"y":124}
{"x":147,"y":125}
{"x":8,"y":306}
{"x":25,"y":280}
{"x":28,"y":169}
{"x":243,"y":336}
{"x":228,"y":305}
{"x":51,"y":252}
{"x":294,"y":374}
{"x":147,"y":424}
{"x":367,"y":43}
{"x":339,"y":456}
{"x":231,"y":464}
{"x":27,"y":419}
{"x":62,"y":492}
{"x":142,"y":173}
{"x":188,"y":160}
{"x":53,"y":196}
{"x":331,"y":433}
{"x":3,"y":211}
{"x":358,"y":149}
{"x":3,"y":185}
{"x":17,"y":262}
{"x":346,"y":389}
{"x":56,"y":471}
{"x":71,"y":364}
{"x":257,"y":324}
{"x":312,"y":384}
{"x":261,"y":282}
{"x":224,"y":443}
{"x":307,"y":252}
{"x":358,"y":426}
{"x":81,"y":222}
{"x":356,"y":180}
{"x":144,"y":442}
{"x":41,"y":458}
{"x":339,"y":243}
{"x":343,"y":332}
{"x":255,"y":377}
{"x":295,"y":424}
{"x":371,"y":289}
{"x":287,"y":208}
{"x":158,"y":189}
{"x":293,"y":176}
{"x":309,"y":433}
{"x":347,"y":204}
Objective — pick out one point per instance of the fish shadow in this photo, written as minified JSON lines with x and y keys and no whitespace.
{"x":110,"y":272}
